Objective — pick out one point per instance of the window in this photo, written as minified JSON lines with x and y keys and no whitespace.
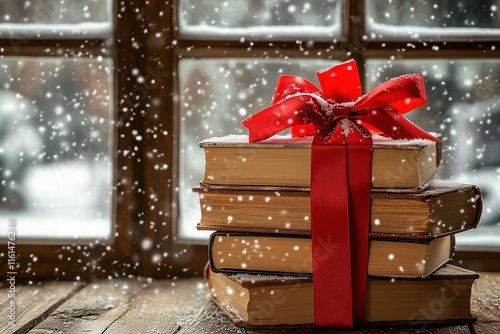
{"x":263,"y":20}
{"x":432,"y":20}
{"x":55,"y":147}
{"x":464,"y":106}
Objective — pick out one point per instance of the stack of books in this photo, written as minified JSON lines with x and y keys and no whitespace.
{"x":256,"y":198}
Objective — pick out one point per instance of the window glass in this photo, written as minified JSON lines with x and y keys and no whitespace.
{"x":215,"y":96}
{"x":464,"y":105}
{"x":55,"y":147}
{"x":22,"y":20}
{"x":432,"y":20}
{"x":269,"y":19}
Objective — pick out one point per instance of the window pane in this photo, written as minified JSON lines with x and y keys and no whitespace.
{"x":22,"y":20}
{"x":432,"y":20}
{"x":464,"y":105}
{"x":55,"y":147}
{"x":261,"y":20}
{"x":215,"y":96}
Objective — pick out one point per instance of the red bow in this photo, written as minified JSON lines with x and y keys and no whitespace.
{"x":339,"y":117}
{"x":299,"y":104}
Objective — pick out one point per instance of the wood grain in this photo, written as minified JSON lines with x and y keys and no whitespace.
{"x":181,"y":306}
{"x":93,"y":309}
{"x":34,"y":303}
{"x":485,"y":303}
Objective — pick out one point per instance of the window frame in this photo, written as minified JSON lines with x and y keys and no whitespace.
{"x":67,"y":260}
{"x":139,"y":187}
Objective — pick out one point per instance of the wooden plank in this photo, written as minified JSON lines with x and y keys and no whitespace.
{"x":34,"y":303}
{"x":199,"y":314}
{"x":182,"y":307}
{"x":93,"y":309}
{"x":152,"y":310}
{"x":485,"y":303}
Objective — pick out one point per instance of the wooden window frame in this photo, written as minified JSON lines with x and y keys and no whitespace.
{"x":145,"y":197}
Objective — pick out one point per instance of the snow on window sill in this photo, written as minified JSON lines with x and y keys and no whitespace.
{"x":84,"y":30}
{"x":32,"y":229}
{"x":289,"y":33}
{"x":385,"y":32}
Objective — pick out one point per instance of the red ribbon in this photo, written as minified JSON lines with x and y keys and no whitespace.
{"x":339,"y":117}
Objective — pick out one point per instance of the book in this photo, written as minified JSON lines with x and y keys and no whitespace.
{"x":286,"y":161}
{"x":251,"y":300}
{"x":442,"y":208}
{"x":292,"y":254}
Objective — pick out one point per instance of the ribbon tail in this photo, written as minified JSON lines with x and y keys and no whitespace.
{"x":330,"y":237}
{"x":340,"y":215}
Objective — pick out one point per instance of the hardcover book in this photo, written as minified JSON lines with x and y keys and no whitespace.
{"x":442,"y":208}
{"x":292,"y":254}
{"x":286,"y":161}
{"x":251,"y":300}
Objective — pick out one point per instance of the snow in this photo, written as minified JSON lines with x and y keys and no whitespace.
{"x":424,"y":33}
{"x":288,"y":139}
{"x":247,"y":277}
{"x":440,"y":183}
{"x":35,"y":229}
{"x":346,"y":126}
{"x":288,"y":33}
{"x":20,"y":31}
{"x":56,"y":20}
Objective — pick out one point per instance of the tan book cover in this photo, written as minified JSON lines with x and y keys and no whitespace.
{"x":286,"y":161}
{"x":262,"y":301}
{"x":443,"y":208}
{"x":292,"y":254}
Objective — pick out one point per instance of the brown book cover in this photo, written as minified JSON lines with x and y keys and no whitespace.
{"x":287,"y":254}
{"x":285,"y":161}
{"x":263,"y":301}
{"x":443,"y":208}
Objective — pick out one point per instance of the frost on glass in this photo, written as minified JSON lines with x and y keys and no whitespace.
{"x":55,"y":19}
{"x":55,"y":147}
{"x":262,"y":19}
{"x":432,"y":20}
{"x":215,"y":96}
{"x":464,"y":105}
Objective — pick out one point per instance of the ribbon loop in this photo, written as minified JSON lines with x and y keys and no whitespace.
{"x":341,"y":83}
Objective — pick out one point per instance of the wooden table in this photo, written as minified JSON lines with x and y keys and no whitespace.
{"x":174,"y":306}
